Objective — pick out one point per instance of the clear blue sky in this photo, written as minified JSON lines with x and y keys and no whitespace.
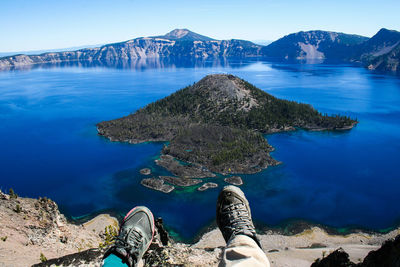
{"x":48,"y":24}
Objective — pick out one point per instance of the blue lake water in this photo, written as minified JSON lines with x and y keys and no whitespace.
{"x":50,"y":147}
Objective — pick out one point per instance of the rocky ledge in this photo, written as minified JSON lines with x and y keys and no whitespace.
{"x":34,"y":232}
{"x":302,"y":250}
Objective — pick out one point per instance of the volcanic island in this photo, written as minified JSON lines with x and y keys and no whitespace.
{"x":215,"y":127}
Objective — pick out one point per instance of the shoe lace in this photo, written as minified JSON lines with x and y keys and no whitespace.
{"x":135,"y":239}
{"x":237,"y":219}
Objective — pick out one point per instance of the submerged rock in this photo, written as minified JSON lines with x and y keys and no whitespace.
{"x":145,"y":171}
{"x":180,"y":181}
{"x":207,"y":186}
{"x":235,"y":180}
{"x":157,"y":184}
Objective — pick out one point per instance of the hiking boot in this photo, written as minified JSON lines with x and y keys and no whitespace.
{"x":135,"y":236}
{"x":234,"y":215}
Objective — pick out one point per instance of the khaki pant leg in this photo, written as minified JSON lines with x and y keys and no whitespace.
{"x":243,"y":251}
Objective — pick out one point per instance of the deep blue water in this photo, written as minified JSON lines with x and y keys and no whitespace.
{"x":50,"y":147}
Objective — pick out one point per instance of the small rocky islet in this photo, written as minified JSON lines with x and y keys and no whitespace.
{"x":166,"y":184}
{"x":216,"y":126}
{"x":145,"y":171}
{"x":157,"y":184}
{"x":235,"y":180}
{"x":206,"y":186}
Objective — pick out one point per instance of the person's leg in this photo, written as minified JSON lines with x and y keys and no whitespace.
{"x":234,"y":220}
{"x":134,"y":238}
{"x":243,"y":251}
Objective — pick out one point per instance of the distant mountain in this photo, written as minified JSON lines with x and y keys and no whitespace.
{"x":262,"y":42}
{"x":184,"y":35}
{"x":177,"y":43}
{"x":36,"y":52}
{"x":380,"y":44}
{"x":380,"y":52}
{"x":387,"y":62}
{"x":314,"y":45}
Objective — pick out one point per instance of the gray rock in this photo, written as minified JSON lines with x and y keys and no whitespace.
{"x":157,"y":184}
{"x":4,"y":196}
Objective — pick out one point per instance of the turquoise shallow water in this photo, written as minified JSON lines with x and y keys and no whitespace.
{"x":50,"y":145}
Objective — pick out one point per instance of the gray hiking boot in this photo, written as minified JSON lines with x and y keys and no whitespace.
{"x":135,"y":236}
{"x":234,"y":215}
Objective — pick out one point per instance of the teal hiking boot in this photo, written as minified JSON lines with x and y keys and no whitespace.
{"x":234,"y":215}
{"x":135,"y":236}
